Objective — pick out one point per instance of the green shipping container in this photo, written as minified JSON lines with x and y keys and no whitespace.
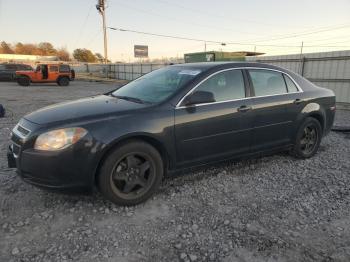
{"x":212,"y":56}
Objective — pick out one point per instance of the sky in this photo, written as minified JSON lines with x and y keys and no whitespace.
{"x":269,"y":26}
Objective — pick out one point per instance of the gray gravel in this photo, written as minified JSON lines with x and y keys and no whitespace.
{"x":274,"y":208}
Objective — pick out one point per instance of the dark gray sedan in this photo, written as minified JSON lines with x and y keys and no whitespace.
{"x":8,"y":71}
{"x":180,"y":116}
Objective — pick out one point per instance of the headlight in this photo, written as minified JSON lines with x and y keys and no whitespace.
{"x":59,"y":139}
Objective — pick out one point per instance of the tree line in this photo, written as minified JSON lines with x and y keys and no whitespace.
{"x":47,"y":49}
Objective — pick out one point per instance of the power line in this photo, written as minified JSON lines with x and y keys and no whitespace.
{"x":83,"y":26}
{"x":93,"y":39}
{"x":201,"y":12}
{"x":271,"y":38}
{"x":302,"y":34}
{"x":208,"y":41}
{"x":192,"y":23}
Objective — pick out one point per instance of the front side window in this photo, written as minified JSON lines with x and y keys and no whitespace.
{"x":227,"y":85}
{"x":158,"y":85}
{"x":266,"y":82}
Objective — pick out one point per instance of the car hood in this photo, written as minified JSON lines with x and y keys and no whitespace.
{"x":82,"y":110}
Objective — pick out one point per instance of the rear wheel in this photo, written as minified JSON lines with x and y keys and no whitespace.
{"x":23,"y":81}
{"x":131,"y":173}
{"x":308,"y":138}
{"x":63,"y":81}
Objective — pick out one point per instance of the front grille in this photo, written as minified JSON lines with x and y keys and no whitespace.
{"x":21,"y":131}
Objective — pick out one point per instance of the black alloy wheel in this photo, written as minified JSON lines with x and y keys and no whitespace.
{"x":131,"y":173}
{"x":308,"y":138}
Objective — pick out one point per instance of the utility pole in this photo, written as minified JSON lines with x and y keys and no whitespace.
{"x":301,"y":59}
{"x":101,"y":9}
{"x":301,"y":48}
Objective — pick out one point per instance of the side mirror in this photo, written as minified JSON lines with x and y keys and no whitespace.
{"x":199,"y":97}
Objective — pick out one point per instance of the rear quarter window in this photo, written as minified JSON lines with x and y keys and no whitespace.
{"x":290,"y":84}
{"x":64,"y":69}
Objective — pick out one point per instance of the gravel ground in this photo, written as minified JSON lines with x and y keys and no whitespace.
{"x":274,"y":208}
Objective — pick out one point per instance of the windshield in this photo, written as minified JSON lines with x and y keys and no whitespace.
{"x":158,"y":85}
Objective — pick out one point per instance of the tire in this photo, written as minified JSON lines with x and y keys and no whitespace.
{"x":23,"y":81}
{"x":63,"y":81}
{"x":72,"y":72}
{"x":131,"y":173}
{"x":308,"y":139}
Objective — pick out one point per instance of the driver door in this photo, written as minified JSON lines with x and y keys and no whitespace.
{"x":216,"y":130}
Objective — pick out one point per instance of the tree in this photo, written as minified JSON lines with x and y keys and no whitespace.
{"x":99,"y":57}
{"x":47,"y":48}
{"x":19,"y":48}
{"x":84,"y":55}
{"x":5,"y":48}
{"x":26,"y":49}
{"x":63,"y":54}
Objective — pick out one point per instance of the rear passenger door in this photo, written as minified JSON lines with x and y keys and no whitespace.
{"x":274,"y":107}
{"x":53,"y":72}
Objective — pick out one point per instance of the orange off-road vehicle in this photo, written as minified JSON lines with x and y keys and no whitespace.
{"x":61,"y":74}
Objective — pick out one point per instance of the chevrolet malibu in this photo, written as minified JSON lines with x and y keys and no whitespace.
{"x":124,"y":142}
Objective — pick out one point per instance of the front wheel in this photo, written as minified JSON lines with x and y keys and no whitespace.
{"x":131,"y":173}
{"x":308,"y":138}
{"x":23,"y":81}
{"x":63,"y":81}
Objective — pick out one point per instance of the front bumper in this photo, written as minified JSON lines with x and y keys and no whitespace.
{"x":70,"y":169}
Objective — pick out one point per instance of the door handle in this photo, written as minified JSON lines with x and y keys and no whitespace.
{"x":244,"y":108}
{"x":297,"y":101}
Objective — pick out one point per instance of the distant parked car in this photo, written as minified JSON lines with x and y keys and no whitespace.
{"x":180,"y":116}
{"x":61,"y":74}
{"x":8,"y":71}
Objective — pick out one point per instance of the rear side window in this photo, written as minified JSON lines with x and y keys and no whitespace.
{"x":24,"y":67}
{"x":266,"y":82}
{"x":290,"y":84}
{"x":227,"y":85}
{"x":64,"y":69}
{"x":53,"y":68}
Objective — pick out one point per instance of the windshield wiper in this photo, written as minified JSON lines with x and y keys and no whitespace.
{"x":132,"y":99}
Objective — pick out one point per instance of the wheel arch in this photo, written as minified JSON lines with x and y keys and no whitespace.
{"x":62,"y":76}
{"x":135,"y":137}
{"x":23,"y":75}
{"x":316,"y":111}
{"x":319,"y":117}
